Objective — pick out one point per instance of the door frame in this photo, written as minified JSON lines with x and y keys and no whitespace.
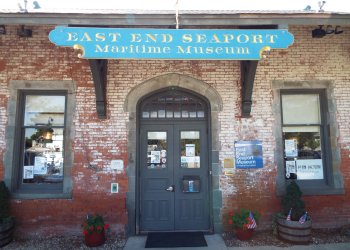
{"x":130,"y":108}
{"x":167,"y":122}
{"x":189,"y":125}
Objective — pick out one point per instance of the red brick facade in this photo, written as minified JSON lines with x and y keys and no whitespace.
{"x":97,"y":142}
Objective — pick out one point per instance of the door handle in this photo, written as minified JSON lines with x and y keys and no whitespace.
{"x":171,"y":188}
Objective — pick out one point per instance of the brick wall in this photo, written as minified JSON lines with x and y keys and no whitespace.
{"x":97,"y":142}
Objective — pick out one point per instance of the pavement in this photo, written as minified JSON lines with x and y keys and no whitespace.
{"x":215,"y":242}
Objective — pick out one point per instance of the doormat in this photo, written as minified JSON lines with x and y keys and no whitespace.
{"x":176,"y":239}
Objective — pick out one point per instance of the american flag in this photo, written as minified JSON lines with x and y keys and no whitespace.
{"x":303,"y":218}
{"x":289,"y":214}
{"x":251,"y":221}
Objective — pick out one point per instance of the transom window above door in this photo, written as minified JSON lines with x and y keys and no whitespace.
{"x":173,"y":104}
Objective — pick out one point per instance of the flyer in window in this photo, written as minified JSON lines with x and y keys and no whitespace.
{"x":28,"y":172}
{"x":290,"y":148}
{"x":311,"y":169}
{"x":190,"y":161}
{"x":290,"y":168}
{"x":190,"y":149}
{"x":155,"y":156}
{"x":40,"y":165}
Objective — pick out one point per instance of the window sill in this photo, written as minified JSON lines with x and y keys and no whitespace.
{"x":31,"y":196}
{"x":322,"y":191}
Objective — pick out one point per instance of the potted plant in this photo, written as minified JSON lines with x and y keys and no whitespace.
{"x":7,"y":222}
{"x":244,"y":221}
{"x":294,"y":223}
{"x":94,"y":229}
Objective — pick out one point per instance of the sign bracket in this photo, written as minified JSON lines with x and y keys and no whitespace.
{"x":99,"y":75}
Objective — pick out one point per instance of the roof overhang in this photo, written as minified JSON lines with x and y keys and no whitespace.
{"x":167,"y":19}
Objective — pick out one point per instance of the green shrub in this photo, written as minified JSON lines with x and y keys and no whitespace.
{"x":292,"y":200}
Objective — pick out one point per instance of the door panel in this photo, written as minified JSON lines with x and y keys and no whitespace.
{"x":156,"y":205}
{"x":191,"y":208}
{"x":174,"y":155}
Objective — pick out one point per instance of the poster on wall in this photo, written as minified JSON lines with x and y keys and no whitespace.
{"x":228,"y":166}
{"x":248,"y":154}
{"x":309,"y":169}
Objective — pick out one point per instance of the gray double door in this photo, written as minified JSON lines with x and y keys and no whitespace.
{"x":174,"y":186}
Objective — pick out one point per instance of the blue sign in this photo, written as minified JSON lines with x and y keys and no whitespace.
{"x":199,"y":44}
{"x":248,"y":154}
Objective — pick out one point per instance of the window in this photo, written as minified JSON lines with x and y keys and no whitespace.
{"x":39,"y":133}
{"x":305,"y":137}
{"x":302,"y":127}
{"x":173,"y":104}
{"x":40,"y":141}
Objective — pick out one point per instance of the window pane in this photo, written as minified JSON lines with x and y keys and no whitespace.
{"x":145,"y":114}
{"x":161,"y":113}
{"x":156,"y":150}
{"x":303,"y":153}
{"x":301,"y":109}
{"x":301,"y":129}
{"x":200,"y":114}
{"x":44,"y":110}
{"x":173,"y":104}
{"x":43,"y":155}
{"x":190,"y":149}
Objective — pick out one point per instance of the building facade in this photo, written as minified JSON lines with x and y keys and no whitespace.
{"x":149,"y":144}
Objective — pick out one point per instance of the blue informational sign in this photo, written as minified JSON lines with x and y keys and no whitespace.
{"x":199,"y":44}
{"x":248,"y":154}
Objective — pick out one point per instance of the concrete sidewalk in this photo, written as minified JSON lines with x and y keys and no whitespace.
{"x":215,"y":242}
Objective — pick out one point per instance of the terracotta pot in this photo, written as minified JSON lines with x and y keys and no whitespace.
{"x":245,"y":234}
{"x":95,"y":239}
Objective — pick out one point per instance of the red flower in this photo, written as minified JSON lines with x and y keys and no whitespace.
{"x":230,"y":221}
{"x":91,"y":228}
{"x":85,"y":232}
{"x":99,"y":228}
{"x":230,"y":214}
{"x":106,"y":226}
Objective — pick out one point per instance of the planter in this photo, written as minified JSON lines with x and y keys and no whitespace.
{"x":95,"y":239}
{"x":245,"y":234}
{"x":293,"y":231}
{"x":6,"y":232}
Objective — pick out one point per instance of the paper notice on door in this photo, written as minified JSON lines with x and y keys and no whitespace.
{"x":190,"y":161}
{"x":190,"y":149}
{"x":155,"y":156}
